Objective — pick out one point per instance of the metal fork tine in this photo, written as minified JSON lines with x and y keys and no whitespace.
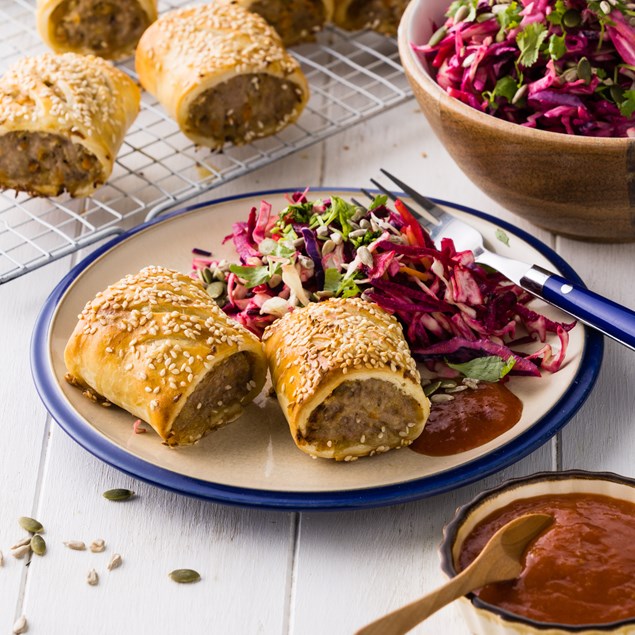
{"x":357,"y":203}
{"x":393,"y":197}
{"x":425,"y":202}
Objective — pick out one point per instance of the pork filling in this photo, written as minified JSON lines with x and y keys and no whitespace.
{"x":380,"y":15}
{"x":243,"y":108}
{"x":294,"y":20}
{"x":103,"y":27}
{"x":371,"y":412}
{"x":47,"y":164}
{"x":216,"y":400}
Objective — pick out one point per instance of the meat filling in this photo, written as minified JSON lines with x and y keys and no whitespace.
{"x":380,"y":15}
{"x":46,"y":164}
{"x":294,"y":20}
{"x":372,"y":412}
{"x":106,"y":28}
{"x":243,"y":108}
{"x":216,"y":400}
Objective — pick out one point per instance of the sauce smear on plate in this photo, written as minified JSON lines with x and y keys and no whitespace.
{"x":581,"y":570}
{"x":472,"y":418}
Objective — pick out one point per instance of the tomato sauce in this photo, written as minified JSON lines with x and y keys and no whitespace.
{"x":472,"y":418}
{"x":580,"y":570}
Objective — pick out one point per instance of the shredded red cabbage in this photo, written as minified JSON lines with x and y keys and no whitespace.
{"x":558,"y":65}
{"x":452,"y":309}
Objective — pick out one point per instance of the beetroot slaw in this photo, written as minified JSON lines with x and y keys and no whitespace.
{"x":452,"y":309}
{"x":559,"y":65}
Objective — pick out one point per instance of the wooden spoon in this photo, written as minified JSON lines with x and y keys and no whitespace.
{"x":500,"y":560}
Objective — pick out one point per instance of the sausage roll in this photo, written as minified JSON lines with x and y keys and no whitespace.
{"x":382,"y":16}
{"x":108,"y":28}
{"x":156,"y":344}
{"x":345,"y":379}
{"x":222,"y":73}
{"x":295,"y":21}
{"x":62,"y":121}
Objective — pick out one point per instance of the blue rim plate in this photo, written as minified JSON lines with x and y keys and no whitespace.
{"x":80,"y":429}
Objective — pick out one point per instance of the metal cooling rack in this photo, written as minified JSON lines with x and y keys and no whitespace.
{"x":352,"y":77}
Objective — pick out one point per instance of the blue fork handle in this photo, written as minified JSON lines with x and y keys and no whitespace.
{"x":602,"y":314}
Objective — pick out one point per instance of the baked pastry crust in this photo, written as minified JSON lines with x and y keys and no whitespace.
{"x":209,"y":50}
{"x":295,"y":21}
{"x":149,"y":341}
{"x":108,"y":28}
{"x":78,"y":107}
{"x":382,"y":16}
{"x":317,"y":351}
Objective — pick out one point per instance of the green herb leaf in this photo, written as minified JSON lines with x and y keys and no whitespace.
{"x":280,"y":248}
{"x":557,"y":46}
{"x":332,"y":279}
{"x":253,"y":276}
{"x":627,"y":107}
{"x":508,"y":19}
{"x":529,"y":41}
{"x":491,"y":368}
{"x":505,"y":87}
{"x":557,"y":12}
{"x":502,"y":236}
{"x":378,"y":201}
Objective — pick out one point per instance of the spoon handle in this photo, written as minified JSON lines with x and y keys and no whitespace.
{"x":407,"y":617}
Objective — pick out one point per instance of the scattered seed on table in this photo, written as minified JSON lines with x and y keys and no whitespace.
{"x":118,"y":494}
{"x":185,"y":576}
{"x":21,"y":543}
{"x":20,"y":626}
{"x":76,"y":545}
{"x":20,"y":552}
{"x":97,"y":546}
{"x":30,"y":525}
{"x":115,"y":562}
{"x":38,"y":545}
{"x":1,"y":559}
{"x":92,"y":578}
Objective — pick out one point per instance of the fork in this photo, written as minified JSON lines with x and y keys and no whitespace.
{"x":608,"y":317}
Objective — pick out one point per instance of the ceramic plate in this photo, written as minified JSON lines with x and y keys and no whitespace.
{"x":254,"y":460}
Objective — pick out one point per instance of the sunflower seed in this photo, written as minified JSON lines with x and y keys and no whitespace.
{"x":92,"y":578}
{"x":441,"y":398}
{"x":75,"y":545}
{"x":38,"y":545}
{"x":328,"y":247}
{"x":21,"y":543}
{"x":185,"y":576}
{"x":20,"y":552}
{"x":1,"y":559}
{"x":118,"y":494}
{"x":451,"y":391}
{"x":20,"y":626}
{"x":365,"y":256}
{"x":448,"y":383}
{"x":30,"y":524}
{"x":97,"y":546}
{"x":115,"y":562}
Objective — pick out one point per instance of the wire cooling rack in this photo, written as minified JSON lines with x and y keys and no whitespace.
{"x":352,"y":77}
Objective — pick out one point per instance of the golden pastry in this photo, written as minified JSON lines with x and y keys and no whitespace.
{"x":382,"y":16}
{"x":157,"y":345}
{"x":295,"y":21}
{"x":108,"y":28}
{"x":345,"y":379}
{"x":62,"y":121}
{"x":222,"y":73}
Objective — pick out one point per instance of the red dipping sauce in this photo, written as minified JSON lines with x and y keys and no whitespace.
{"x":471,"y":419}
{"x":580,"y":570}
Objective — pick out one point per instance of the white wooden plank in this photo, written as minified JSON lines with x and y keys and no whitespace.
{"x":23,"y":421}
{"x":602,"y":436}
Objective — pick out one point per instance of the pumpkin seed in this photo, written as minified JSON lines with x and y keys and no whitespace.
{"x":617,"y":94}
{"x":207,"y":276}
{"x":185,"y":576}
{"x":38,"y":545}
{"x":92,"y":578}
{"x":20,"y":626}
{"x":461,"y":14}
{"x":115,"y":562}
{"x":30,"y":524}
{"x":118,"y":494}
{"x":216,"y":289}
{"x":437,"y":36}
{"x":571,"y":18}
{"x":570,"y":75}
{"x":431,"y":388}
{"x":584,"y":69}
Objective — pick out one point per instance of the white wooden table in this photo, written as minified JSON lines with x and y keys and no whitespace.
{"x":263,"y":571}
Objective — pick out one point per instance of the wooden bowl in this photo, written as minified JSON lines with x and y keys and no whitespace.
{"x":582,"y":187}
{"x":486,"y":619}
